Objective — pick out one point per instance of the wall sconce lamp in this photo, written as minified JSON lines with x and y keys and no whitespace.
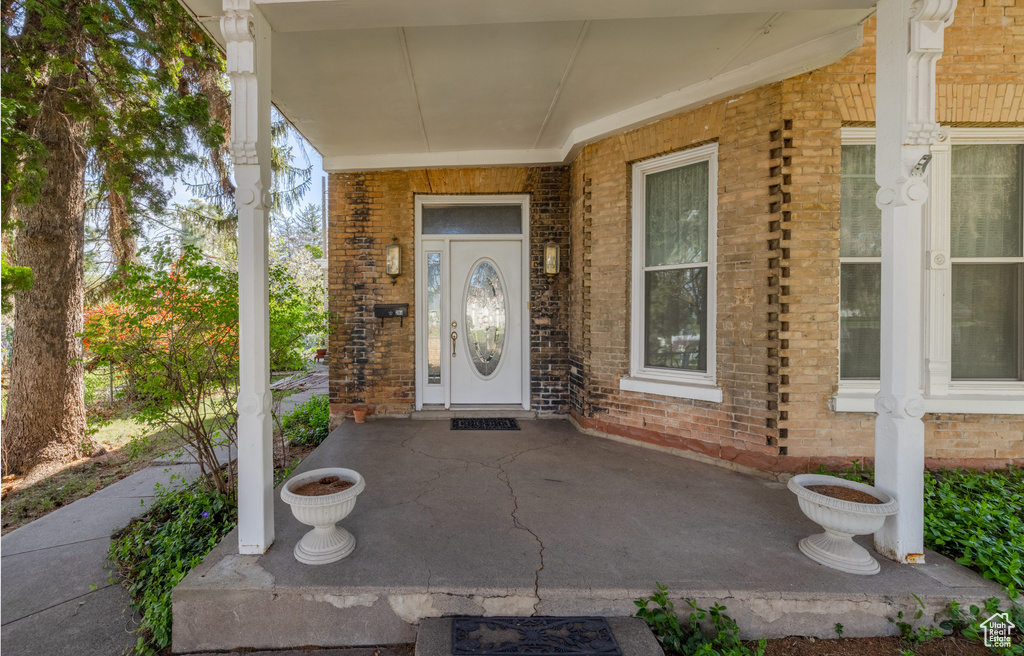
{"x":551,"y":263}
{"x":394,"y":260}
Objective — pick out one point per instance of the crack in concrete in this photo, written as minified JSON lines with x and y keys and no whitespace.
{"x":504,"y":477}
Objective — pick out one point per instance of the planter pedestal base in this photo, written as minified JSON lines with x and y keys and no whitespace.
{"x":839,"y":551}
{"x":324,"y":544}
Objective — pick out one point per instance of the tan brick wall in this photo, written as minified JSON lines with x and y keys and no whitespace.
{"x":373,"y":363}
{"x":981,"y":79}
{"x":742,"y":428}
{"x":778,"y":277}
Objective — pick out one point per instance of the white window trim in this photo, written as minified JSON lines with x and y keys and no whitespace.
{"x":679,"y":384}
{"x":941,"y":393}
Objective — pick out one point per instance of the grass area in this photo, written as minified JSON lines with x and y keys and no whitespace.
{"x":129,"y":447}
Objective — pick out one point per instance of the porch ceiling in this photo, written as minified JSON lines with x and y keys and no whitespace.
{"x":404,"y":83}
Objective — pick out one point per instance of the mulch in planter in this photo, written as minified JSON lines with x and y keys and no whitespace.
{"x":843,"y":493}
{"x":322,"y":486}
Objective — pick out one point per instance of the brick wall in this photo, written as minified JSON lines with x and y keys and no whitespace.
{"x":778,"y":277}
{"x":743,"y":427}
{"x":373,"y":363}
{"x":980,"y":81}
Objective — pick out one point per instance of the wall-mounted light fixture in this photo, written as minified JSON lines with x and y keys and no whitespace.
{"x":551,"y":264}
{"x":394,"y":260}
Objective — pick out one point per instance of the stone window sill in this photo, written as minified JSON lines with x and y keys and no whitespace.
{"x":679,"y":390}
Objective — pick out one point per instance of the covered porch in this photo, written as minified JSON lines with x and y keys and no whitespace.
{"x":546,"y":520}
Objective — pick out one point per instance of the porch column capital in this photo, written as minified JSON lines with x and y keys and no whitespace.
{"x":241,"y":24}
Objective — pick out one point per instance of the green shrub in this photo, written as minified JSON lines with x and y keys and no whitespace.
{"x":155,"y":552}
{"x":978,"y":519}
{"x":721,"y":639}
{"x":309,"y":423}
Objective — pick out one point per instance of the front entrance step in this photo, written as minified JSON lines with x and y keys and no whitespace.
{"x":434,"y":637}
{"x":472,"y":412}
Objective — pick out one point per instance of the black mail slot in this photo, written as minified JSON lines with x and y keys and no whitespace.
{"x":393,"y":310}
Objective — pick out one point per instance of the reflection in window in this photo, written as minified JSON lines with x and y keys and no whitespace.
{"x":433,"y":318}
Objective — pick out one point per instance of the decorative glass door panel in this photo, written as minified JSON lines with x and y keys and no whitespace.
{"x":486,"y":315}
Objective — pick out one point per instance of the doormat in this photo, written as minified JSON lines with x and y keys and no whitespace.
{"x":535,"y":636}
{"x":484,"y":423}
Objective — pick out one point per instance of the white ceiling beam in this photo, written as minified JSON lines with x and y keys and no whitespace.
{"x":306,"y":15}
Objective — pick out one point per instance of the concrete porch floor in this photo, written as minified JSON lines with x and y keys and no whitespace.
{"x":547,"y":521}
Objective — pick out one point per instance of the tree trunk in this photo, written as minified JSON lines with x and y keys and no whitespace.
{"x":46,"y":402}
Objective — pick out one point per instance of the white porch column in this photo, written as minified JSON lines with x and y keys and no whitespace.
{"x":248,"y":61}
{"x":909,"y":43}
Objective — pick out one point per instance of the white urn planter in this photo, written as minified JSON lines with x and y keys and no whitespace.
{"x":841,"y":520}
{"x":327,"y":542}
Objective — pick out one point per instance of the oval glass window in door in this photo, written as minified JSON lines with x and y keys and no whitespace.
{"x":486,"y":316}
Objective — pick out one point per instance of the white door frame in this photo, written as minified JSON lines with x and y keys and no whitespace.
{"x":522,"y":200}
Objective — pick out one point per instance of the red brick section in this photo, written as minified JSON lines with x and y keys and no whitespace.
{"x":373,"y":363}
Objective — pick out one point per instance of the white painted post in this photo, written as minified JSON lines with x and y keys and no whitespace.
{"x":248,"y":62}
{"x":909,"y":43}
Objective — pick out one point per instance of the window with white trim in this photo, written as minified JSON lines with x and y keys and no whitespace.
{"x":672,"y":349}
{"x":974,"y":278}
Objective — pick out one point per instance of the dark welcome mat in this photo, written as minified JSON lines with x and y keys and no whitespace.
{"x":535,"y":636}
{"x":484,"y":423}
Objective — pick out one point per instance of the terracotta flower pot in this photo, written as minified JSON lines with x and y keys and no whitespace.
{"x":326,"y":543}
{"x":841,"y":520}
{"x":359,"y":414}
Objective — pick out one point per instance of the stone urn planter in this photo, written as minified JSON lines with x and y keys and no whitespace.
{"x":841,"y":520}
{"x":326,"y":543}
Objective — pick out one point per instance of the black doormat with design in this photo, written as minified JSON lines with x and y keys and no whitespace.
{"x":484,"y":423}
{"x":533,"y":636}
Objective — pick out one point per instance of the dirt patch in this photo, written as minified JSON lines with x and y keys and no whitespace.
{"x":843,"y":493}
{"x":323,"y":486}
{"x":891,"y":646}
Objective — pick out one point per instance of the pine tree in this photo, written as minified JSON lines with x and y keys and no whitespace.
{"x":116,"y":93}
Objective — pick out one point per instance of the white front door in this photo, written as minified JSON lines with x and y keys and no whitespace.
{"x":484,"y":347}
{"x":471,"y":314}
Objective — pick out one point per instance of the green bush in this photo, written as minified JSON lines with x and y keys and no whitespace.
{"x":978,"y":519}
{"x":155,"y":552}
{"x":309,"y":423}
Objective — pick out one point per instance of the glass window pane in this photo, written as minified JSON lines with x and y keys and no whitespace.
{"x":987,"y":330}
{"x":473,"y":220}
{"x":433,"y":318}
{"x":987,"y":200}
{"x":675,"y":319}
{"x":485,"y":318}
{"x":860,"y":220}
{"x":860,"y":289}
{"x":677,"y":215}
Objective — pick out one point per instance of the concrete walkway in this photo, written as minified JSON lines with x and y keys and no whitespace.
{"x":545,"y":521}
{"x":57,"y":596}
